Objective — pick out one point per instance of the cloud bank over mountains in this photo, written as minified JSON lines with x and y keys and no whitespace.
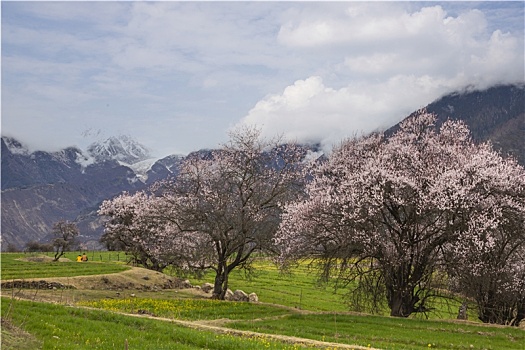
{"x":177,"y":75}
{"x":394,"y":61}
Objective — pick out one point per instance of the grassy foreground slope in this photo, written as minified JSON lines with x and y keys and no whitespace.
{"x":63,"y":327}
{"x":290,"y":306}
{"x":391,"y":333}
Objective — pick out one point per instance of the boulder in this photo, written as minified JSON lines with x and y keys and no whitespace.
{"x":253,"y":298}
{"x":186,"y":284}
{"x":228,"y":295}
{"x":207,"y":287}
{"x":239,"y":295}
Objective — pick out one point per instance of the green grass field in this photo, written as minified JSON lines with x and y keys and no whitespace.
{"x":61,"y":327}
{"x":290,"y":305}
{"x":191,"y":309}
{"x":300,"y":289}
{"x":13,"y":267}
{"x":390,"y":333}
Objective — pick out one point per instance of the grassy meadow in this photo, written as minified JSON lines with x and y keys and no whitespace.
{"x":291,"y":305}
{"x":61,"y":327}
{"x":390,"y":333}
{"x":21,"y":266}
{"x":298,"y":289}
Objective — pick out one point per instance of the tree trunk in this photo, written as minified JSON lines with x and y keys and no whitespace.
{"x":520,"y":313}
{"x":224,"y":285}
{"x":58,"y":255}
{"x":401,"y":304}
{"x":488,"y":308}
{"x":400,"y":293}
{"x":217,"y":286}
{"x":221,"y":282}
{"x":501,"y":312}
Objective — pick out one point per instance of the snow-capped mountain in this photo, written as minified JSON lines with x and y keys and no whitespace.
{"x":164,"y":168}
{"x":122,"y":148}
{"x":40,"y":188}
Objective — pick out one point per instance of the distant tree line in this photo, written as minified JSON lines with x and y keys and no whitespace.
{"x":402,"y":221}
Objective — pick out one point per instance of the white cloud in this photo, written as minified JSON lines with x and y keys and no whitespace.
{"x":180,"y":73}
{"x":309,"y":111}
{"x":391,"y":62}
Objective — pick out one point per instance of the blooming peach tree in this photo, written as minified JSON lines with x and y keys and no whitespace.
{"x":388,"y":213}
{"x":137,"y":224}
{"x":222,"y":207}
{"x":487,"y":264}
{"x":132,"y":226}
{"x":230,"y":201}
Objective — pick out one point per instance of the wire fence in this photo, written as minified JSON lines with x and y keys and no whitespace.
{"x":94,"y":255}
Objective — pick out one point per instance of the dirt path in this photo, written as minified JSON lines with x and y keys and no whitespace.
{"x":211,"y":325}
{"x":206,"y":326}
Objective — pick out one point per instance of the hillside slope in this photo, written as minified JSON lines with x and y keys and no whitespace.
{"x":496,"y":114}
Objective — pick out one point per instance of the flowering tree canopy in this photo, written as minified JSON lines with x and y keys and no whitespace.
{"x":487,"y":264}
{"x":133,"y":227}
{"x":230,"y":201}
{"x":389,"y":211}
{"x":220,"y":209}
{"x":137,"y":224}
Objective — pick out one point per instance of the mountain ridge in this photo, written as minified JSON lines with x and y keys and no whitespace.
{"x":40,"y":188}
{"x":498,"y":116}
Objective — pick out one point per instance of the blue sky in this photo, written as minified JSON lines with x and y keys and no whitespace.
{"x":178,"y":75}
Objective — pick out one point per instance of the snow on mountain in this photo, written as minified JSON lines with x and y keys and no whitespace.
{"x":123,"y":149}
{"x":141,"y":168}
{"x":64,"y":156}
{"x":120,"y":148}
{"x":84,"y":160}
{"x":15,"y":147}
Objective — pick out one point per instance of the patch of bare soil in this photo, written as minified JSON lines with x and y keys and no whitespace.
{"x":134,"y":278}
{"x":40,"y":259}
